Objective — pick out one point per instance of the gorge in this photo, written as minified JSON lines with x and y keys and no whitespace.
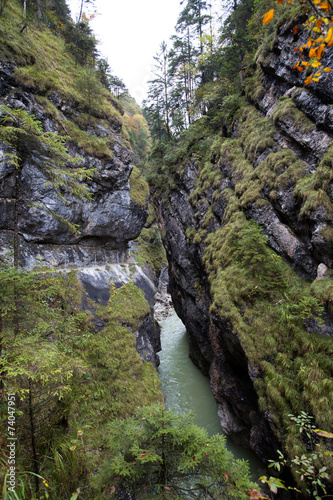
{"x":240,"y":194}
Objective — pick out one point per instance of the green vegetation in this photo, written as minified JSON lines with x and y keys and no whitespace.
{"x":240,"y":166}
{"x":139,"y":189}
{"x":151,"y":250}
{"x":46,"y":65}
{"x":69,"y":381}
{"x":79,"y":391}
{"x":156,"y":453}
{"x":138,"y":132}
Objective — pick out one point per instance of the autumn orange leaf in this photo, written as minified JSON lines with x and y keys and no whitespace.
{"x":255,"y":494}
{"x":295,"y":29}
{"x":312,"y":53}
{"x":320,"y":51}
{"x":280,"y":1}
{"x":268,"y":16}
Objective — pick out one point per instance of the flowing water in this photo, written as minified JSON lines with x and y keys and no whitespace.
{"x":186,"y":388}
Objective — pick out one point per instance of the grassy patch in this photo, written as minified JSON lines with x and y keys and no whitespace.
{"x":266,"y":305}
{"x":151,"y":250}
{"x":139,"y":189}
{"x":314,"y":189}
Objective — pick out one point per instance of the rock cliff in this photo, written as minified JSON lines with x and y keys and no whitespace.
{"x":274,"y":166}
{"x":106,"y":223}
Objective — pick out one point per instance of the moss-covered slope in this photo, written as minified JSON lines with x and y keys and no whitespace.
{"x":246,"y":219}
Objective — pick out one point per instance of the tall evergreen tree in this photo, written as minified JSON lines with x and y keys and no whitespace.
{"x":26,"y":140}
{"x":160,"y":87}
{"x":236,"y":41}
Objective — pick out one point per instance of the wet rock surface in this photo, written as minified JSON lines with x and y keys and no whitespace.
{"x":108,"y":221}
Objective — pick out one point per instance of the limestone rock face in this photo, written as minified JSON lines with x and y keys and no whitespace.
{"x":301,"y":124}
{"x":96,"y":281}
{"x":107,"y":222}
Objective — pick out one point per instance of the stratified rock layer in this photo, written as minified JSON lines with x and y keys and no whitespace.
{"x":106,"y":223}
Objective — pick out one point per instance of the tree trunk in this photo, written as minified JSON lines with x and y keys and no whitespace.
{"x":33,"y":441}
{"x":16,"y":248}
{"x":39,"y":9}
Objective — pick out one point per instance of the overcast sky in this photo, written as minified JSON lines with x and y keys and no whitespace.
{"x":131,"y":32}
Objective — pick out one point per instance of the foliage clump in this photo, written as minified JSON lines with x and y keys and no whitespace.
{"x":157,"y":453}
{"x":69,"y":381}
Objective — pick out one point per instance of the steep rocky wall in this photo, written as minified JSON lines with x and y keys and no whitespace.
{"x":96,"y":282}
{"x":106,"y":223}
{"x":274,"y":166}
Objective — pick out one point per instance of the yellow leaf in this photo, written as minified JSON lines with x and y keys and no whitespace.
{"x":268,"y":16}
{"x":324,"y":434}
{"x":327,"y":70}
{"x":315,"y":79}
{"x":318,"y":74}
{"x":316,"y":64}
{"x":329,"y":35}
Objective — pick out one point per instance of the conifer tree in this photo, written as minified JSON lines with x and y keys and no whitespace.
{"x":25,"y":137}
{"x":157,"y":453}
{"x":158,"y":112}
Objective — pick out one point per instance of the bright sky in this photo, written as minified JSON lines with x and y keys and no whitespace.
{"x":130,"y":32}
